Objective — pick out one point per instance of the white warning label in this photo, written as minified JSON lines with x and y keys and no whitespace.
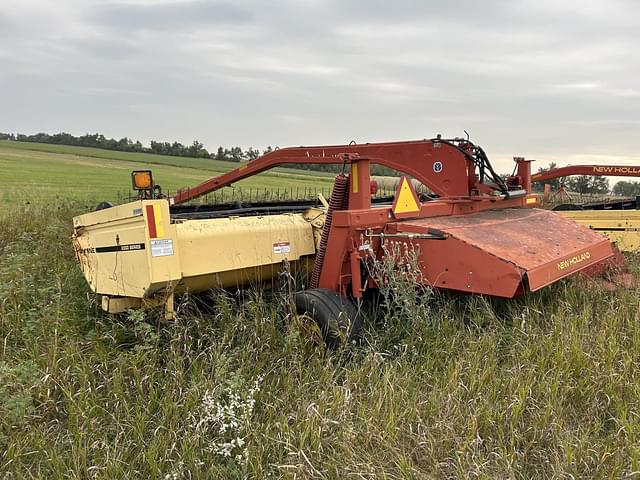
{"x":281,"y":247}
{"x":161,"y":248}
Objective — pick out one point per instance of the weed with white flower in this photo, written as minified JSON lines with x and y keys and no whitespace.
{"x":177,"y":473}
{"x":227,"y":421}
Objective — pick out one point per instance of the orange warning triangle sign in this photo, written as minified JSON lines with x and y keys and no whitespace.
{"x":406,"y":201}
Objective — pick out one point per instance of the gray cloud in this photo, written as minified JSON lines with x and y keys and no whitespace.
{"x":547,"y":79}
{"x":169,"y":16}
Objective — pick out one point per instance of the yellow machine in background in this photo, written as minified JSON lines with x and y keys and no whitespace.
{"x":618,"y":218}
{"x":621,"y":226}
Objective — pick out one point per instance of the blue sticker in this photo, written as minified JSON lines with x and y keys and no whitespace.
{"x":437,"y":167}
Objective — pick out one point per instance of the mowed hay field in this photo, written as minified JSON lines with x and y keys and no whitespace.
{"x":547,"y":386}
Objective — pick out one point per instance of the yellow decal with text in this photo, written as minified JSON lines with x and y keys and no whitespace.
{"x":570,"y":262}
{"x":628,"y":170}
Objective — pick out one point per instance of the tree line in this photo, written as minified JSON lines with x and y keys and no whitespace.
{"x":176,"y":149}
{"x":125,"y":144}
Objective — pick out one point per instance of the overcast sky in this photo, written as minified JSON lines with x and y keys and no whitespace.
{"x":548,"y":79}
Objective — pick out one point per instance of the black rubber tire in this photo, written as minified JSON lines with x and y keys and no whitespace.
{"x":337,"y":316}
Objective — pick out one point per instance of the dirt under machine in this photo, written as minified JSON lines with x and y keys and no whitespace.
{"x":474,"y":233}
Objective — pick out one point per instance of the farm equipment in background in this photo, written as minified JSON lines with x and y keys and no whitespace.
{"x":617,"y":218}
{"x":475,"y":234}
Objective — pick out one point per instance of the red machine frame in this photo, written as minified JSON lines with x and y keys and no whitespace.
{"x":459,"y":173}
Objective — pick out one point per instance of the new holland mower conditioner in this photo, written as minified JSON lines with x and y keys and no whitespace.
{"x":475,"y":233}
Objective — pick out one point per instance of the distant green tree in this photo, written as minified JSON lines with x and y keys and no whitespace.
{"x":221,"y":154}
{"x":588,"y":184}
{"x":627,"y":189}
{"x":579,"y":184}
{"x":252,"y":154}
{"x":600,"y":185}
{"x":197,"y":150}
{"x":236,"y":154}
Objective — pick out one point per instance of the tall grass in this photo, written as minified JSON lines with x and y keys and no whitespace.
{"x":543,"y":387}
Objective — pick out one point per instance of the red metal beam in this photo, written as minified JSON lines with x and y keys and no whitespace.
{"x":596,"y":170}
{"x":440,"y":166}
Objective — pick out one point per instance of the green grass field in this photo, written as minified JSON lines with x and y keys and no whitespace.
{"x":547,"y":386}
{"x":50,"y":172}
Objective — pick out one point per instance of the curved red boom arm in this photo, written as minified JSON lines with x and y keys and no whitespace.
{"x":596,"y":170}
{"x":440,"y":165}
